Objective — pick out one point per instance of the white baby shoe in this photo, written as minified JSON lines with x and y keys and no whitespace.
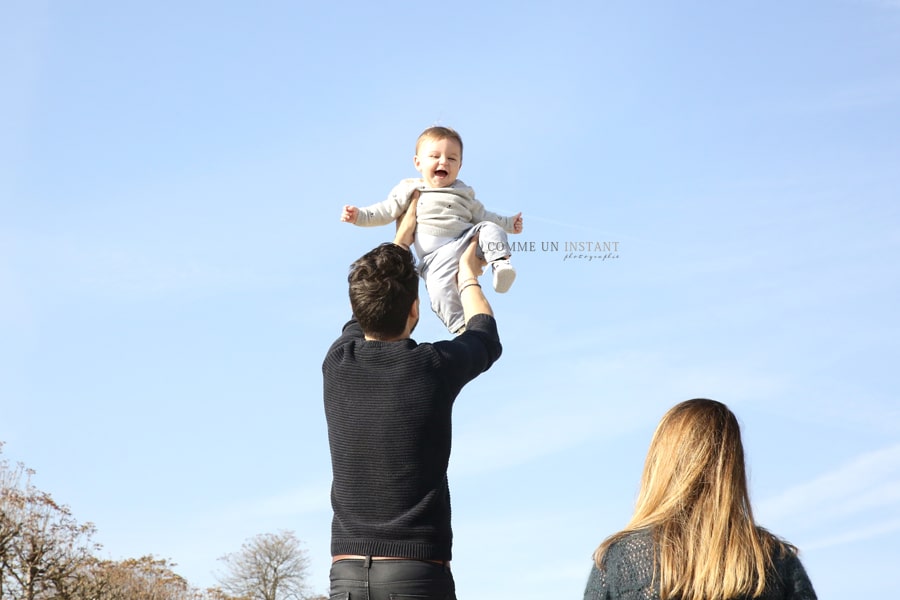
{"x":504,"y":275}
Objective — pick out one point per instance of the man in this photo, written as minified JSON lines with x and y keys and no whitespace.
{"x":388,"y":402}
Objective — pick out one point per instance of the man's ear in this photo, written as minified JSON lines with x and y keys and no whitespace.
{"x":414,"y":310}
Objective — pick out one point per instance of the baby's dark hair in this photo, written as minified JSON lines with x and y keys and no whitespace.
{"x":439,"y":133}
{"x":383,"y":286}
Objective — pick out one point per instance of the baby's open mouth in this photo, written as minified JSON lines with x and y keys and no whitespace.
{"x":441,"y":173}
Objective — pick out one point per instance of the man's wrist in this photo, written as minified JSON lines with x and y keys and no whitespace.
{"x":471,"y":283}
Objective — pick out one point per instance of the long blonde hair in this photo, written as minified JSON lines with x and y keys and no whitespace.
{"x":694,"y":500}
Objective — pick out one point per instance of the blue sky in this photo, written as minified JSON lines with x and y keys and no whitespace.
{"x":172,"y":265}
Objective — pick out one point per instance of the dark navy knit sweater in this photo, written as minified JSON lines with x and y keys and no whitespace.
{"x":628,"y":574}
{"x":388,"y":407}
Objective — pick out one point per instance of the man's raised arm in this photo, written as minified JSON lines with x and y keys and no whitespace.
{"x":470,"y":293}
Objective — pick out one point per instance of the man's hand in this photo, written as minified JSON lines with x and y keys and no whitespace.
{"x":470,"y":266}
{"x":350,"y":214}
{"x":406,"y":223}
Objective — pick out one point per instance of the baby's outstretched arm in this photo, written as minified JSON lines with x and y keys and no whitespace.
{"x":517,"y":223}
{"x":349,"y":214}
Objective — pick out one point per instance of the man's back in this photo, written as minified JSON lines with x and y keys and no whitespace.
{"x":388,"y":403}
{"x":388,"y":407}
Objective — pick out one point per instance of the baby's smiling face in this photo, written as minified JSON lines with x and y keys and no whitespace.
{"x":438,"y":161}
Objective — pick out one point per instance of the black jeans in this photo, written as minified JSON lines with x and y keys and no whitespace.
{"x":398,"y":579}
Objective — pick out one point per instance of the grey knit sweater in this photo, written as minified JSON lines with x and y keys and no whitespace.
{"x":628,"y":575}
{"x":441,"y":212}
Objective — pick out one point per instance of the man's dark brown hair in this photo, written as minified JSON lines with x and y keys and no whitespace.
{"x":383,"y":286}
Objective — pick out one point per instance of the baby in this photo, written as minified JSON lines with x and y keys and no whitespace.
{"x":448,"y":215}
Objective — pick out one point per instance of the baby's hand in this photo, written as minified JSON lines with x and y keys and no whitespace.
{"x":350,"y":214}
{"x":517,"y":223}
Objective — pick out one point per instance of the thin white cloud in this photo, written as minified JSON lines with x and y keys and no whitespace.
{"x":15,"y":309}
{"x":311,"y":498}
{"x":565,"y":538}
{"x":856,"y":534}
{"x":23,"y":34}
{"x":544,"y":418}
{"x":137,"y":274}
{"x":867,"y":487}
{"x":576,"y":226}
{"x":119,"y":268}
{"x":514,"y":437}
{"x":864,"y":95}
{"x":849,"y":97}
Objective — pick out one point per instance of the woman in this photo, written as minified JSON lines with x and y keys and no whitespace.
{"x":692,"y":535}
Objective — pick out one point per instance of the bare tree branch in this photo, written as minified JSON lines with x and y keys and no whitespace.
{"x":271,"y":566}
